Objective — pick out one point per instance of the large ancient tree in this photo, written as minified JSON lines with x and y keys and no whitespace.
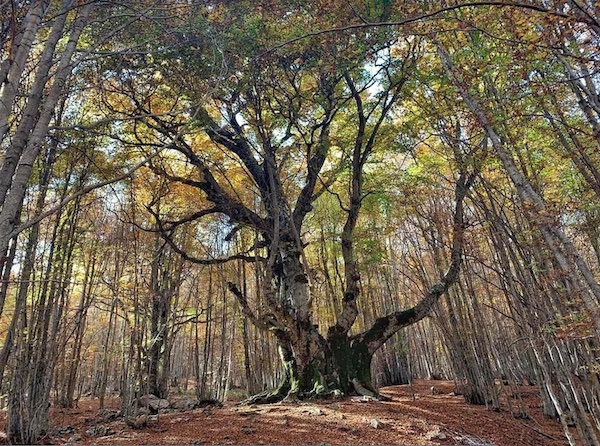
{"x":280,"y":130}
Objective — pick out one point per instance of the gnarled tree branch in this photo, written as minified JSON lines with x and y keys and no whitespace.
{"x":385,"y":327}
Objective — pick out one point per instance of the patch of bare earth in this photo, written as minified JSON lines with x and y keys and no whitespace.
{"x":413,"y":417}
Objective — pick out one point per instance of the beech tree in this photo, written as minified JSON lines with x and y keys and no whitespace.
{"x":292,"y":125}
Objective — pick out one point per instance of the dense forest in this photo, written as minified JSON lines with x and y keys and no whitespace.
{"x":287,"y":200}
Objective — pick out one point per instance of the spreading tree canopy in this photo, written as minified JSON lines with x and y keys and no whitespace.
{"x":275,"y":131}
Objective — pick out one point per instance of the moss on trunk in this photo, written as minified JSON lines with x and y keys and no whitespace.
{"x":353,"y":364}
{"x":346,"y":371}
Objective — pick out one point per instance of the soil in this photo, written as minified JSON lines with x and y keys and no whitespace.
{"x":417,"y":415}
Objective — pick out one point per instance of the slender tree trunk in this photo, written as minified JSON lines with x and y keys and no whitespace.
{"x":11,"y":201}
{"x":562,"y":248}
{"x":68,"y":398}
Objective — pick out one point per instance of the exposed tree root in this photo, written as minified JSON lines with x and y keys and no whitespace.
{"x":268,"y":397}
{"x":287,"y":394}
{"x":368,"y":391}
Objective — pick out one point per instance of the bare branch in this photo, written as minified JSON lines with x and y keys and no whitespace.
{"x":422,"y":17}
{"x":385,"y":327}
{"x":79,"y":193}
{"x":167,"y":236}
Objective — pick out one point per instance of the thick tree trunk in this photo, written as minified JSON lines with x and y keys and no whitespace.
{"x":352,"y":365}
{"x":341,"y":364}
{"x":317,"y":368}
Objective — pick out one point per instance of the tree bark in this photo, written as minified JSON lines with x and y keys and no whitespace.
{"x":561,"y":246}
{"x":341,"y":364}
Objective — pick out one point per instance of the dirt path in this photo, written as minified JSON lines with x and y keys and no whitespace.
{"x":414,"y":417}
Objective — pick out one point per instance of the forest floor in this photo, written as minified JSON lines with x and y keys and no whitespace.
{"x":415,"y":416}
